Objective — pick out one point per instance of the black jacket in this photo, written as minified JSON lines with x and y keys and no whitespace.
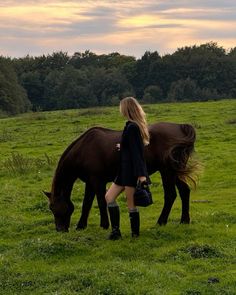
{"x":132,"y":162}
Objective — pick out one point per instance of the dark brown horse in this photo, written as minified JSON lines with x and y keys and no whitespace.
{"x":93,"y":158}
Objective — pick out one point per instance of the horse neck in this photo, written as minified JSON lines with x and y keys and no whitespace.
{"x":62,"y":185}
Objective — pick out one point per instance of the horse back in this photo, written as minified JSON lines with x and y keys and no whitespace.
{"x":95,"y":153}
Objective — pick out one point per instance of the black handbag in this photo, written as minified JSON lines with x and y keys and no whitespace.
{"x":142,"y":195}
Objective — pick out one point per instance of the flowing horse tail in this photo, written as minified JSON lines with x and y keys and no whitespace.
{"x":179,"y":155}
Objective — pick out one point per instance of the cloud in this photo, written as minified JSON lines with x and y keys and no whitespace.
{"x":130,"y":27}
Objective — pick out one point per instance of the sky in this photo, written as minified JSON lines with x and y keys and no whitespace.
{"x":37,"y":27}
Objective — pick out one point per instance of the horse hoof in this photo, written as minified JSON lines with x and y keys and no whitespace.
{"x":81,"y":227}
{"x":185,"y":221}
{"x":104,"y":225}
{"x":161,"y":222}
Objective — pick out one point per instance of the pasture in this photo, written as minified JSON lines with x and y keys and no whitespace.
{"x":194,"y":259}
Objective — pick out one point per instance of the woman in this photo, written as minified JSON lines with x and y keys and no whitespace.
{"x":132,"y":166}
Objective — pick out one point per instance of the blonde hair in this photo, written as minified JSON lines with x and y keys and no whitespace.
{"x":132,"y":110}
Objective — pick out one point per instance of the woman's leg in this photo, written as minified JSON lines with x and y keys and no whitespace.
{"x":113,"y":192}
{"x":129,"y":193}
{"x":133,"y":211}
{"x":114,"y":211}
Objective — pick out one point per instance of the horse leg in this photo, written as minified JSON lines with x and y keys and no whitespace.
{"x":168,"y":180}
{"x":87,"y":204}
{"x":102,"y":204}
{"x":184,"y":192}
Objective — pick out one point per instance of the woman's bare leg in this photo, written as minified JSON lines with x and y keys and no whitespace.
{"x":113,"y":192}
{"x":129,"y":193}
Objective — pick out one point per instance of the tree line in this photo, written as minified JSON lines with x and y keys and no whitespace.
{"x":85,"y":79}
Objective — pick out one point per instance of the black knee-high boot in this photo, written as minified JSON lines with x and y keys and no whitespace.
{"x":134,"y":223}
{"x":114,"y":213}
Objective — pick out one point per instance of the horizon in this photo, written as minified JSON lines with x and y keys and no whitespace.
{"x":227,"y":50}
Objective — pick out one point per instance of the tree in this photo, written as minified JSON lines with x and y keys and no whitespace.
{"x":87,"y":79}
{"x":183,"y":90}
{"x":232,"y":52}
{"x":114,"y":60}
{"x":116,"y":86}
{"x":109,"y":85}
{"x":75,"y":90}
{"x":206,"y":64}
{"x":34,"y":87}
{"x":90,"y":59}
{"x":143,"y":76}
{"x":80,"y":59}
{"x":52,"y":90}
{"x":152,"y":94}
{"x":13,"y":98}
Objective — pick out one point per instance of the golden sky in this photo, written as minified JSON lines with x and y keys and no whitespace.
{"x":128,"y":27}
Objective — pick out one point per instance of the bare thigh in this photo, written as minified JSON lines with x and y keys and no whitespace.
{"x":129,"y":193}
{"x":113,"y":192}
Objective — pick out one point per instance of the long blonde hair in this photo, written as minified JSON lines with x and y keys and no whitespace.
{"x":132,"y":110}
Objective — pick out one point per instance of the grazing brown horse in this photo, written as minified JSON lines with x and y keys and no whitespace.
{"x":93,"y":158}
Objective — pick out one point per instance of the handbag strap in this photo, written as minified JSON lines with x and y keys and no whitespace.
{"x":143,"y":184}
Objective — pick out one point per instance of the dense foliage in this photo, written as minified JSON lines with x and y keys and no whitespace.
{"x":13,"y":97}
{"x":60,"y":81}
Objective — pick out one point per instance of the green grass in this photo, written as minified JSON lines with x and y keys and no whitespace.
{"x":194,"y":259}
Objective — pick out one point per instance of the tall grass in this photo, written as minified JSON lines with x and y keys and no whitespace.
{"x":18,"y":164}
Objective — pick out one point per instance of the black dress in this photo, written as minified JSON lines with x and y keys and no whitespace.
{"x":132,"y":162}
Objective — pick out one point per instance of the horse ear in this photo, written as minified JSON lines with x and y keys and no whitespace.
{"x":47,"y":194}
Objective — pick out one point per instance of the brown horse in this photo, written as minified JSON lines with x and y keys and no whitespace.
{"x":93,"y":158}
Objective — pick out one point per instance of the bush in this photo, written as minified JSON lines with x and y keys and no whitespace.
{"x":152,"y":94}
{"x":184,"y":90}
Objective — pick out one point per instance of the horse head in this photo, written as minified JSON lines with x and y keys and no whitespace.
{"x":62,"y":211}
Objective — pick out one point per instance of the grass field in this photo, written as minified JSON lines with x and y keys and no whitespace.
{"x":194,"y":259}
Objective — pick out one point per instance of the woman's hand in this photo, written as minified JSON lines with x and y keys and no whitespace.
{"x":118,"y":147}
{"x":142,"y":178}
